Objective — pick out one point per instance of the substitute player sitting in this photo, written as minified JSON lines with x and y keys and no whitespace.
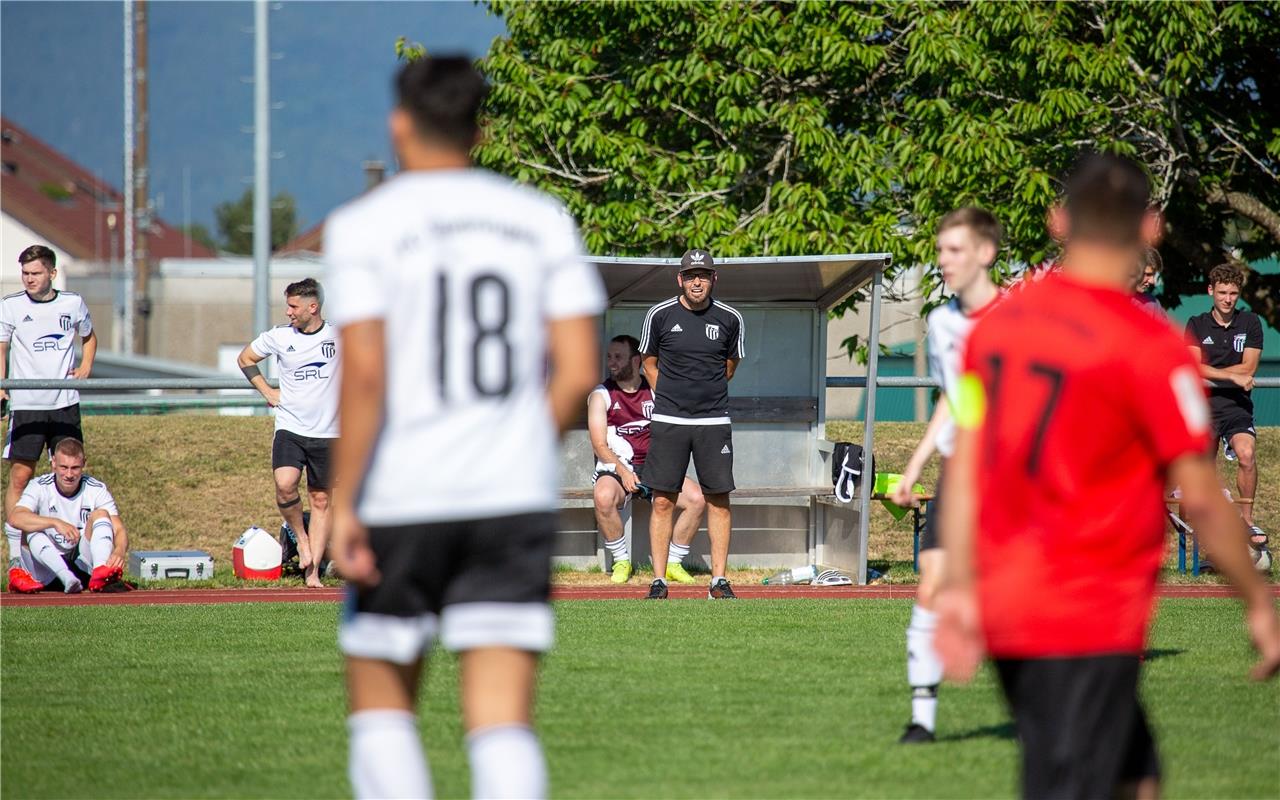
{"x":618,"y":413}
{"x":72,"y":527}
{"x":307,"y":354}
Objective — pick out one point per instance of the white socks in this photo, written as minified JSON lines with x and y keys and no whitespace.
{"x":46,"y":552}
{"x":15,"y":545}
{"x":102,"y":542}
{"x":924,"y":668}
{"x":386,"y":756}
{"x":676,"y":553}
{"x":506,"y":762}
{"x":618,"y":549}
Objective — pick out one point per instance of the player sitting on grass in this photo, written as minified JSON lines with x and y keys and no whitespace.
{"x":618,"y":412}
{"x":72,"y":526}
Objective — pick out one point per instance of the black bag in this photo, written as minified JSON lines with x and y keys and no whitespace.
{"x":846,"y":469}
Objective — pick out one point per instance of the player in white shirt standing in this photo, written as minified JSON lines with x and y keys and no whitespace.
{"x":308,"y":359}
{"x":73,"y":528}
{"x":38,"y":327}
{"x":968,"y":241}
{"x":468,"y":318}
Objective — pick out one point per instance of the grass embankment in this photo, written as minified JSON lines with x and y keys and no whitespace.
{"x":197,"y":481}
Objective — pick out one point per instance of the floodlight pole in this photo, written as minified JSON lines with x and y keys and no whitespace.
{"x":869,"y":421}
{"x":125,"y":320}
{"x":261,"y":169}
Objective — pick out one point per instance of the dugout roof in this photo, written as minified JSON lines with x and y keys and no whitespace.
{"x":821,"y":281}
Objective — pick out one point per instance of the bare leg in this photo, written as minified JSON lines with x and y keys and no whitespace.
{"x":719,"y":527}
{"x":497,"y":701}
{"x":290,"y":504}
{"x":318,"y":535}
{"x":691,"y":505}
{"x":608,"y":496}
{"x":1247,"y":472}
{"x":660,"y":526}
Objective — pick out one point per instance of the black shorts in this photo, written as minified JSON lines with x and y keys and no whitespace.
{"x":474,"y":583}
{"x":930,"y":537}
{"x":289,"y":449}
{"x":1082,"y":729}
{"x":670,"y":447}
{"x":1230,"y":419}
{"x":34,"y":431}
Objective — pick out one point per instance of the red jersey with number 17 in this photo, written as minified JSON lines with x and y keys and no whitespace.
{"x":1088,"y":400}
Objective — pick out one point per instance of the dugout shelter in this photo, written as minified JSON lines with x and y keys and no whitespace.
{"x":784,"y":513}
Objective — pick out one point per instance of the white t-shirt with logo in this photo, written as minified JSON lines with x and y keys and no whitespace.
{"x":466,"y":269}
{"x":42,"y":498}
{"x":41,"y":339}
{"x":308,"y":365}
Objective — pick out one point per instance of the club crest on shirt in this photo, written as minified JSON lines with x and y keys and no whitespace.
{"x":646,"y":408}
{"x":328,"y":348}
{"x":84,"y":516}
{"x":1238,"y":342}
{"x":713,"y":332}
{"x":65,"y":322}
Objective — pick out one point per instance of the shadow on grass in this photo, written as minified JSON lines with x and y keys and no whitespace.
{"x":1004,"y":730}
{"x":1155,"y":653}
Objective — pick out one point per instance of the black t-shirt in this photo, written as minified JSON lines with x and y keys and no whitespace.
{"x":1224,"y":346}
{"x":692,"y":347}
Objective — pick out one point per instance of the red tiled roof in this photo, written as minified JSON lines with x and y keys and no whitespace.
{"x":309,"y":241}
{"x":68,"y":206}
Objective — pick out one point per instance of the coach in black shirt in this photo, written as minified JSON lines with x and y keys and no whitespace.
{"x":691,"y":345}
{"x":1229,"y":344}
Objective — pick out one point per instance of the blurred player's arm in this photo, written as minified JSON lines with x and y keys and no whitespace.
{"x":88,"y":352}
{"x":903,"y":494}
{"x":959,"y":636}
{"x":4,"y":370}
{"x":248,"y":363}
{"x":573,"y":346}
{"x":730,"y":367}
{"x":1221,"y":531}
{"x":650,"y":367}
{"x":598,"y":429}
{"x":28,"y":521}
{"x":361,"y":401}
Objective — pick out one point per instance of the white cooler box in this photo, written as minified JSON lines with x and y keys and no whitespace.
{"x":156,"y":565}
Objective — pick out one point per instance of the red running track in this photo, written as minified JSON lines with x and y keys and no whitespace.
{"x":637,"y":592}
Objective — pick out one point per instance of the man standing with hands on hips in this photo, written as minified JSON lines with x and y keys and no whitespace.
{"x":691,"y":346}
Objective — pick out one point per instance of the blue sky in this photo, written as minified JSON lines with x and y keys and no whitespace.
{"x":61,"y":78}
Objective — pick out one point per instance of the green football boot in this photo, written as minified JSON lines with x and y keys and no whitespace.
{"x":622,"y":571}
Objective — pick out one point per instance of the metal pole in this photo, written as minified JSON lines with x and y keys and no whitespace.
{"x":141,"y":187}
{"x":127,"y":321}
{"x":261,"y":169}
{"x":869,"y":421}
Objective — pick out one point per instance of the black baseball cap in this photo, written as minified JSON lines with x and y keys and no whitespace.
{"x":696,"y":259}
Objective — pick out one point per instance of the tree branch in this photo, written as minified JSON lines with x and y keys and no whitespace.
{"x":1249,"y":207}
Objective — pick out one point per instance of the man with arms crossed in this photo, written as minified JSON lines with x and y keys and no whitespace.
{"x":468,"y":317}
{"x":309,"y":360}
{"x":1054,"y":521}
{"x":38,"y":327}
{"x":968,"y":241}
{"x":694,"y":343}
{"x":73,"y":528}
{"x":1228,"y":344}
{"x":618,"y":413}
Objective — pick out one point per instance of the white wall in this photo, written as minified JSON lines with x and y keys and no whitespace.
{"x":14,"y":238}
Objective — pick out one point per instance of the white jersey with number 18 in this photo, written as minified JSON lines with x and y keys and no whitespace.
{"x":466,"y":269}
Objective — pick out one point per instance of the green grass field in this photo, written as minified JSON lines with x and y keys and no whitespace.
{"x":787,"y":698}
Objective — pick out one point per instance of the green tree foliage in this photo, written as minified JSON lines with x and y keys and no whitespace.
{"x":766,"y":128}
{"x":200,"y":234}
{"x":235,"y":222}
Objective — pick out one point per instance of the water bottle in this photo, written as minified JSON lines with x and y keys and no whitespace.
{"x":789,"y":576}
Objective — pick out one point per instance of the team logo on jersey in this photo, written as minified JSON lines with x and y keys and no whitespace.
{"x":84,"y":516}
{"x":677,"y":329}
{"x":646,"y":408}
{"x":1238,"y":342}
{"x":290,"y":350}
{"x":616,"y":406}
{"x":28,"y":318}
{"x":713,"y":332}
{"x":1207,"y":340}
{"x":65,"y":322}
{"x":328,"y":348}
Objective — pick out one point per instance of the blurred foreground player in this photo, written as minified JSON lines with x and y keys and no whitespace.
{"x":467,"y":316}
{"x":1076,"y":408}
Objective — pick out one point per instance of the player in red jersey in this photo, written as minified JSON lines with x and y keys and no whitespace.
{"x":618,"y":414}
{"x":1076,"y":409}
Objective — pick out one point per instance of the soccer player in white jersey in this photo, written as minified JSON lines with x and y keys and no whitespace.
{"x":468,"y":318}
{"x":968,"y":241}
{"x":308,"y":359}
{"x":72,"y":525}
{"x":38,"y":327}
